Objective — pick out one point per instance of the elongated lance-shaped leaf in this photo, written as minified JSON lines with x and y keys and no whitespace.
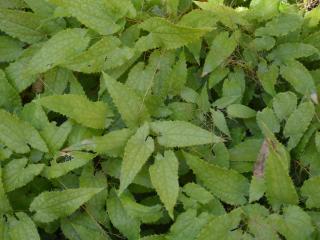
{"x":146,"y":214}
{"x":138,"y":149}
{"x":168,"y":35}
{"x":279,"y":186}
{"x":9,"y":97}
{"x":298,"y":76}
{"x":5,"y":206}
{"x":131,"y":106}
{"x":78,"y":108}
{"x":187,"y":225}
{"x":220,"y":122}
{"x":289,"y":51}
{"x":50,"y":206}
{"x":300,"y":119}
{"x":17,"y":174}
{"x":228,"y":185}
{"x":23,"y":227}
{"x":57,"y":50}
{"x":17,"y":134}
{"x":83,"y":226}
{"x":10,"y":48}
{"x":99,"y":15}
{"x":284,"y":104}
{"x":182,"y":134}
{"x":129,"y":226}
{"x":310,"y":190}
{"x":164,"y":177}
{"x":21,"y":24}
{"x":93,"y":59}
{"x":78,"y":159}
{"x":298,"y":123}
{"x":221,"y":226}
{"x":111,"y":144}
{"x":221,"y":48}
{"x":281,"y":25}
{"x":293,"y":224}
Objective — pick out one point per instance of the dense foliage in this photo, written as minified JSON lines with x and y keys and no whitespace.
{"x":159,"y":120}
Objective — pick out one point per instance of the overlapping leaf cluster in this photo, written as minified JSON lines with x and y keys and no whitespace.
{"x":159,"y":120}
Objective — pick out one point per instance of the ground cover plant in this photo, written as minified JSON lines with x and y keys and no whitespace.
{"x":159,"y":120}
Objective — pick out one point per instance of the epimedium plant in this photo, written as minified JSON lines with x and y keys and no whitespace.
{"x":159,"y":120}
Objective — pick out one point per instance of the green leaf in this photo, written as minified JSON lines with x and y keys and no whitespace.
{"x":113,"y":168}
{"x":182,"y":134}
{"x":101,"y":16}
{"x":240,"y":111}
{"x":279,"y":186}
{"x":284,"y":104}
{"x":78,"y":159}
{"x":168,"y":35}
{"x":220,"y":121}
{"x":50,"y":206}
{"x":217,"y":76}
{"x":164,"y":178}
{"x":257,"y":188}
{"x":269,"y":119}
{"x":317,"y":141}
{"x":221,"y":155}
{"x":228,"y":16}
{"x":178,"y":76}
{"x":22,"y":227}
{"x":10,"y":49}
{"x":78,"y":108}
{"x":313,"y":16}
{"x":264,"y":9}
{"x":172,"y":7}
{"x":262,"y":43}
{"x":137,"y":151}
{"x":268,"y":76}
{"x":12,"y":4}
{"x":299,"y":121}
{"x":141,"y":77}
{"x":298,"y":76}
{"x":57,"y":50}
{"x":154,"y":237}
{"x":146,"y":214}
{"x":111,"y":144}
{"x":221,"y":226}
{"x":131,"y":107}
{"x":127,"y":225}
{"x":281,"y":25}
{"x":197,"y":193}
{"x":119,"y":56}
{"x":221,"y":48}
{"x":9,"y":97}
{"x":96,"y":206}
{"x":55,"y":136}
{"x":82,"y":226}
{"x":246,"y":151}
{"x":17,"y":71}
{"x":56,"y":80}
{"x":309,"y":190}
{"x":17,"y":134}
{"x":93,"y":59}
{"x":17,"y":174}
{"x":42,"y":8}
{"x":188,"y":225}
{"x":22,"y":25}
{"x":288,"y":51}
{"x":228,"y":185}
{"x":295,"y":224}
{"x":5,"y":206}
